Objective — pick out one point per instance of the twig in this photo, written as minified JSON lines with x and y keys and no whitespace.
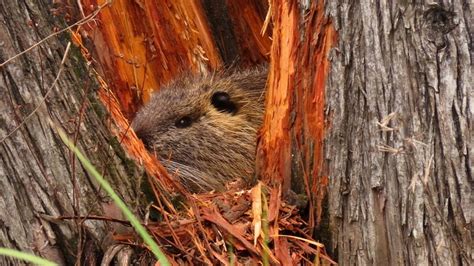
{"x":56,"y":219}
{"x":80,"y":22}
{"x":61,"y":68}
{"x":386,"y":148}
{"x":268,"y":17}
{"x":383,"y":124}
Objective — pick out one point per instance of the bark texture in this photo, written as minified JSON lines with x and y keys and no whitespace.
{"x":399,"y":145}
{"x":39,"y":177}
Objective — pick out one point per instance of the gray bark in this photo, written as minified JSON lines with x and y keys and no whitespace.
{"x":399,"y":149}
{"x":38,"y":174}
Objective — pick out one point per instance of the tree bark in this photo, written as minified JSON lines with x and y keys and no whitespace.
{"x":39,"y":176}
{"x":397,"y":103}
{"x":40,"y":179}
{"x":399,"y":150}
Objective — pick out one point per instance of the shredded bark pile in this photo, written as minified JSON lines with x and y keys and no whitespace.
{"x":239,"y":226}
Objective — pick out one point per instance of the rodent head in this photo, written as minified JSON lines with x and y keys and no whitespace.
{"x":204,"y":128}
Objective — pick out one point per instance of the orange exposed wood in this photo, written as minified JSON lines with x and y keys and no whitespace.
{"x":294,"y":119}
{"x":314,"y":71}
{"x":247,"y":23}
{"x":141,"y":45}
{"x":275,"y":147}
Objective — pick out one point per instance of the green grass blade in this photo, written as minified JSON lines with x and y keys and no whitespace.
{"x":26,"y":257}
{"x":160,"y":256}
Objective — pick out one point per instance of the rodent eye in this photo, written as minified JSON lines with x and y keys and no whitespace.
{"x":222,"y":102}
{"x":183,"y":122}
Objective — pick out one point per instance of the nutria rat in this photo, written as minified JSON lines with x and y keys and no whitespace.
{"x":204,"y":128}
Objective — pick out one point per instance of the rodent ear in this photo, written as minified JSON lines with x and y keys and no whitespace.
{"x":223,"y":103}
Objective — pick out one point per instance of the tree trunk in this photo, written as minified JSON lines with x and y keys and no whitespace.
{"x":395,"y":94}
{"x":399,"y":150}
{"x":39,"y":176}
{"x":40,"y":179}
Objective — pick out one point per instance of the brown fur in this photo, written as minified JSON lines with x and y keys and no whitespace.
{"x":218,"y":146}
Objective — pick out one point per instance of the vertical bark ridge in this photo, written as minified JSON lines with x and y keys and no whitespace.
{"x":399,"y":151}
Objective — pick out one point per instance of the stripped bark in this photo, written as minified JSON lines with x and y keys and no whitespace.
{"x":291,"y":140}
